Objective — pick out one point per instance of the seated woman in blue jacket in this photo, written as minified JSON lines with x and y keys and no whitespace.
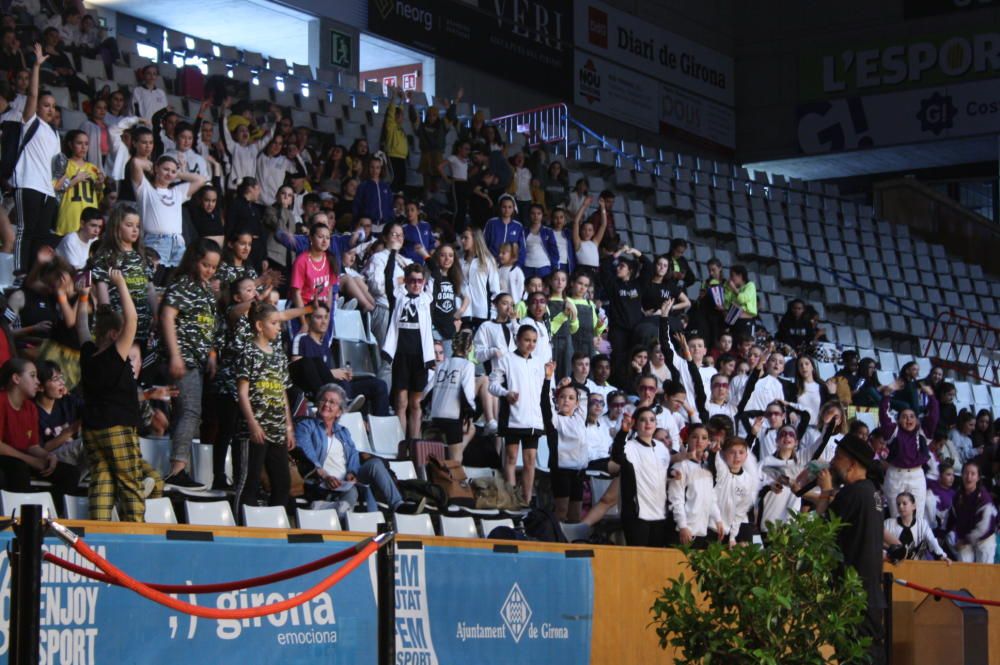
{"x":328,"y":446}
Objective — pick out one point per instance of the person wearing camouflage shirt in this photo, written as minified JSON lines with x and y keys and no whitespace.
{"x":138,"y":277}
{"x":266,"y":433}
{"x":188,"y":318}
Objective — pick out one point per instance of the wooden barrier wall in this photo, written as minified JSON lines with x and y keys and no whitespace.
{"x":627,"y":580}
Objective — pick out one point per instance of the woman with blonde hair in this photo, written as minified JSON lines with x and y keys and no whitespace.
{"x":480,"y":273}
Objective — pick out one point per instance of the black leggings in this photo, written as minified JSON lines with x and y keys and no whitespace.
{"x":645,"y":533}
{"x":398,"y":173}
{"x":268,"y":456}
{"x":227,"y":411}
{"x":35,"y":219}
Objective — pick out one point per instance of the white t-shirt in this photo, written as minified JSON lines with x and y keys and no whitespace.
{"x":195,"y":163}
{"x":587,"y":254}
{"x":74,"y":250}
{"x":536,"y":256}
{"x":335,"y":463}
{"x":161,"y":208}
{"x":146,"y":102}
{"x":563,"y":246}
{"x":34,"y":168}
{"x":459,"y":168}
{"x":810,"y":402}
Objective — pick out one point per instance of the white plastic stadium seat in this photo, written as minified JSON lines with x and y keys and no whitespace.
{"x":160,"y":511}
{"x":355,"y":424}
{"x":77,"y":508}
{"x":320,"y":520}
{"x":209,"y":513}
{"x":404,"y":469}
{"x":266,"y":517}
{"x":156,"y":451}
{"x":386,"y":434}
{"x":12,"y":501}
{"x":457,"y":527}
{"x":489,"y":525}
{"x":415,"y":525}
{"x":365,"y":522}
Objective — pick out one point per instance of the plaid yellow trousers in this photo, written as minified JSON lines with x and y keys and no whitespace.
{"x":116,"y":473}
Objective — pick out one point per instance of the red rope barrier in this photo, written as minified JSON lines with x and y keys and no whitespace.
{"x":212,"y":613}
{"x":219,"y":587}
{"x":945,"y":594}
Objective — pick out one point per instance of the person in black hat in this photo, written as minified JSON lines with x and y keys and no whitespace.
{"x":858,"y":503}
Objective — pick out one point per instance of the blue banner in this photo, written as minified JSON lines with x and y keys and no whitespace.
{"x":453,"y":606}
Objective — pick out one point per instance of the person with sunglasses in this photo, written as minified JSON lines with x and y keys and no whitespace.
{"x":718,"y":402}
{"x":614,"y":403}
{"x":409,"y":345}
{"x":774,"y":418}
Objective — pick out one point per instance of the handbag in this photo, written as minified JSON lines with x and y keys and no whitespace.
{"x":450,"y":476}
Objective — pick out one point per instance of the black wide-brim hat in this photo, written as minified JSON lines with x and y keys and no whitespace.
{"x":858,"y":450}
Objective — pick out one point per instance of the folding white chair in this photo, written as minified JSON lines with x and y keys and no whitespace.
{"x":266,"y":517}
{"x":12,"y":501}
{"x":457,"y":527}
{"x":209,"y":513}
{"x":160,"y":511}
{"x":364,"y":522}
{"x":415,"y":525}
{"x":320,"y":520}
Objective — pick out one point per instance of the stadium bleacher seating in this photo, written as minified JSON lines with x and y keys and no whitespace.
{"x":879,"y":288}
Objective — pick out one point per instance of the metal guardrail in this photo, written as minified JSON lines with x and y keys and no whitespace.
{"x":541,"y":125}
{"x":965,"y":346}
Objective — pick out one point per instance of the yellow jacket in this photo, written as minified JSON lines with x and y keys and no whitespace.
{"x":395,"y":144}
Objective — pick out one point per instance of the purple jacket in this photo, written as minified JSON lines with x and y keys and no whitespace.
{"x":973,"y":517}
{"x":905,"y":449}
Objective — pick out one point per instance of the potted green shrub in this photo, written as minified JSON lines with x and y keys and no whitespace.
{"x":786,"y":604}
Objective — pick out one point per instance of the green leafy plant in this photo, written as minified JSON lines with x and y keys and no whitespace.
{"x":779,"y":605}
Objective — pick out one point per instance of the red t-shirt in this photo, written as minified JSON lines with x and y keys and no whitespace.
{"x":18,"y":427}
{"x":5,"y":354}
{"x":312,"y":278}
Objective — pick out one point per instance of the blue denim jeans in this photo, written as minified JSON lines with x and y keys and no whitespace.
{"x":170,"y":247}
{"x":374,"y":474}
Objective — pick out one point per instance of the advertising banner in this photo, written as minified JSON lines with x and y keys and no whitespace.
{"x":896,"y":65}
{"x":928,"y":114}
{"x":453,"y":606}
{"x":631,"y":41}
{"x":642,"y":101}
{"x":527,"y":40}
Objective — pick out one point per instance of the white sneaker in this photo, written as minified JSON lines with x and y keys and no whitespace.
{"x":491,"y":427}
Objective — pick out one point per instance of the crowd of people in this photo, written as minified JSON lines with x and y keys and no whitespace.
{"x":182,"y":278}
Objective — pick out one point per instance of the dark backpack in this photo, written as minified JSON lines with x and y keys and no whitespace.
{"x":415,"y":490}
{"x":541,"y":524}
{"x":12,"y":142}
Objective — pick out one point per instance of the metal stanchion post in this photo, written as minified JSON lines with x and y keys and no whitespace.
{"x":887,"y":592}
{"x":385,"y":566}
{"x":26,"y":587}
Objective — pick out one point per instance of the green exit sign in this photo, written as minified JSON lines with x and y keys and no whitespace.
{"x":340,"y":49}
